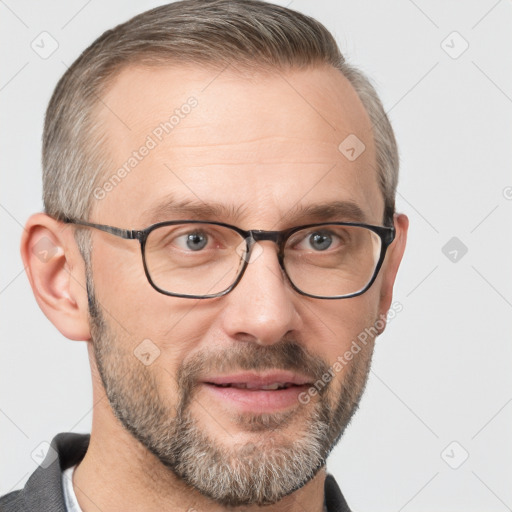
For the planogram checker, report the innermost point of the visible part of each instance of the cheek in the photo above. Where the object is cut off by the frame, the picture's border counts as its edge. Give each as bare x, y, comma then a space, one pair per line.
123, 289
156, 329
118, 273
331, 328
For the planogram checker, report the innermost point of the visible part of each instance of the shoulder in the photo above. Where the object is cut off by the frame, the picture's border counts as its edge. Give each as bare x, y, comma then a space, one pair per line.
12, 501
43, 490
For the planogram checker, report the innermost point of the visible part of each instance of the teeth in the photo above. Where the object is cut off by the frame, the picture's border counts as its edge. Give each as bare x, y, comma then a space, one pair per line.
270, 387
276, 385
273, 386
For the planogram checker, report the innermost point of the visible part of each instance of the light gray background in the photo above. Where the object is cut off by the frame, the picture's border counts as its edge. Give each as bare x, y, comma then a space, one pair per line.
442, 370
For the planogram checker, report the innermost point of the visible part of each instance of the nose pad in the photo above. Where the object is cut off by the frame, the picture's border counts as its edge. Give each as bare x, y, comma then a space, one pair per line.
249, 250
273, 265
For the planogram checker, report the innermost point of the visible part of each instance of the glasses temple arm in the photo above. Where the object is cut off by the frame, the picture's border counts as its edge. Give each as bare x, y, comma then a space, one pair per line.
128, 234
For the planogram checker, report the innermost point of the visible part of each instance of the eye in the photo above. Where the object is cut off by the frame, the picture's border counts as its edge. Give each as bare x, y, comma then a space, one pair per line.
319, 240
194, 241
188, 240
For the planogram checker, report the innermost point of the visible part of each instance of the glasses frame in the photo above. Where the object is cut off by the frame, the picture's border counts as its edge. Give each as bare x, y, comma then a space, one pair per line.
386, 234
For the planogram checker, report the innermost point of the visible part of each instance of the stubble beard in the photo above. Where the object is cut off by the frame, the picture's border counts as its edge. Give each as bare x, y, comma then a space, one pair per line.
259, 472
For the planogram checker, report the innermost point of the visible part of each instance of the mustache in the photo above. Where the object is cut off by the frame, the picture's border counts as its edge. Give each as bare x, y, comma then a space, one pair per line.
284, 355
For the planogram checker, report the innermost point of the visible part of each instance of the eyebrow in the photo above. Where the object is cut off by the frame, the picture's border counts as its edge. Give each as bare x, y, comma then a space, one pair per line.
172, 208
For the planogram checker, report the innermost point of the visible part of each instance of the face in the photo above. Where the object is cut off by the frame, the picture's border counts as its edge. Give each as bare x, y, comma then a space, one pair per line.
261, 147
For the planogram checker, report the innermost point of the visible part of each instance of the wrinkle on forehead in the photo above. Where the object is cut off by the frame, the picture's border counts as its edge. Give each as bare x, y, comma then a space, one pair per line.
259, 130
322, 102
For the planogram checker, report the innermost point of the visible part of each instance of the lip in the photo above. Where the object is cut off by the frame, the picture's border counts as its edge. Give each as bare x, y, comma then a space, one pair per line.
257, 400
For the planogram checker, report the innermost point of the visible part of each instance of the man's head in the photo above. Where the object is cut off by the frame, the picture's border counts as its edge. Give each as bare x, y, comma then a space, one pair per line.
242, 113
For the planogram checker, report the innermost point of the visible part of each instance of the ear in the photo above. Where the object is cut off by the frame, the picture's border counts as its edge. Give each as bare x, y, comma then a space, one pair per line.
56, 272
391, 264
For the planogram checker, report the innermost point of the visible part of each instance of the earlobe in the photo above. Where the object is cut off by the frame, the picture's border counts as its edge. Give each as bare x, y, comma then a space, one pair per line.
392, 263
56, 272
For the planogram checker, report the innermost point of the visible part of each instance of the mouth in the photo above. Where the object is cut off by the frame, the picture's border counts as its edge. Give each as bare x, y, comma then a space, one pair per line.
258, 392
255, 387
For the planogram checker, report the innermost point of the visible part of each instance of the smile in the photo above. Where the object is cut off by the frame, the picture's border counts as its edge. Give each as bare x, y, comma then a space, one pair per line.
267, 392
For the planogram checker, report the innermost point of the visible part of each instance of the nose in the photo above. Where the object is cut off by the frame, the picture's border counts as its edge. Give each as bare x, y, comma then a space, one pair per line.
262, 307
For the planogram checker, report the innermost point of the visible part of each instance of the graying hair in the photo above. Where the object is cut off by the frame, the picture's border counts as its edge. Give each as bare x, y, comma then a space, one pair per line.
206, 32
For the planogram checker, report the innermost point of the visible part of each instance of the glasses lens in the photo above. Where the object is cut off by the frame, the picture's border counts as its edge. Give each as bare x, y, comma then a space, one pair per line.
332, 260
194, 259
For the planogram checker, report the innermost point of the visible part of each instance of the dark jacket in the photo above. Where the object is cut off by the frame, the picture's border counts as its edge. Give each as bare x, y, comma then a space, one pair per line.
43, 490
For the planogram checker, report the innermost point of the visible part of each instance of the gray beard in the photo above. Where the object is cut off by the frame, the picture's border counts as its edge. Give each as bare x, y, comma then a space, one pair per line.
261, 472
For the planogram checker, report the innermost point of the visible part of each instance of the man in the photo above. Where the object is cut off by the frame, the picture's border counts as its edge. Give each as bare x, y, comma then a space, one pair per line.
219, 213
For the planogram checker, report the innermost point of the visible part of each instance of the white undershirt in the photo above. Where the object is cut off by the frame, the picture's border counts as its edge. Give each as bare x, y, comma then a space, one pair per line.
69, 493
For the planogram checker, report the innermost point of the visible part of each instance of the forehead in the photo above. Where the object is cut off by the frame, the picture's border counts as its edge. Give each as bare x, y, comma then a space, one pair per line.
259, 142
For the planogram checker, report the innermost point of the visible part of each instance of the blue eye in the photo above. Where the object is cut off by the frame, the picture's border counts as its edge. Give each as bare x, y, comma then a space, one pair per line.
196, 241
320, 241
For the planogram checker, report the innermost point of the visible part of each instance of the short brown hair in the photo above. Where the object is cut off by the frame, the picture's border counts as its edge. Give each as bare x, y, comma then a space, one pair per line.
212, 32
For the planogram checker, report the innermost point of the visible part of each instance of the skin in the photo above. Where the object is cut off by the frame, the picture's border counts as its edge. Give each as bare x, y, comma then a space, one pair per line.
263, 141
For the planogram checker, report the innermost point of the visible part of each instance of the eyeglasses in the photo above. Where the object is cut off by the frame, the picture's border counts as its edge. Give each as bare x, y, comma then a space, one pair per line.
200, 259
